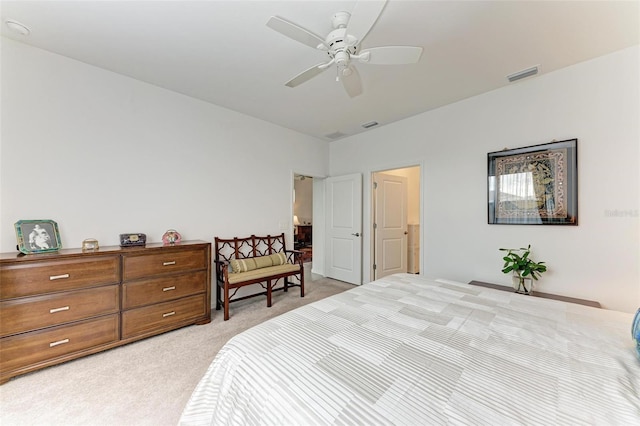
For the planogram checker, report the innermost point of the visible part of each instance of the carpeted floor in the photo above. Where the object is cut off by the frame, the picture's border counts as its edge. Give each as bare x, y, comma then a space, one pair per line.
146, 382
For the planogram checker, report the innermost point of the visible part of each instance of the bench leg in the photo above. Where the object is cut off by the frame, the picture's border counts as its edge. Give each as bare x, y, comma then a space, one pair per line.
286, 284
226, 302
302, 283
217, 296
268, 293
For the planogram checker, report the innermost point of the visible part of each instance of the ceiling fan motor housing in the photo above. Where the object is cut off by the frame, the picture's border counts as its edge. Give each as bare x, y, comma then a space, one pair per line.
336, 40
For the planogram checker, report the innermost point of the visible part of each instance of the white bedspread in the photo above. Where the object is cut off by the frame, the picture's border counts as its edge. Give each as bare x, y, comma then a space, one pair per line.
412, 351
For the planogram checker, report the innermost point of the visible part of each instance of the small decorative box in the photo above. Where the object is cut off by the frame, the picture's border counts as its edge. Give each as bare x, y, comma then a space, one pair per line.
132, 240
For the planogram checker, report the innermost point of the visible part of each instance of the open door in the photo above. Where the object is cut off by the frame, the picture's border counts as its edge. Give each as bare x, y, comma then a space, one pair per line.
344, 228
390, 224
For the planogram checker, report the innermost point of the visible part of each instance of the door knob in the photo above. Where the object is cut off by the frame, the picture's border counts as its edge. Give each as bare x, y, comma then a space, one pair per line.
357, 234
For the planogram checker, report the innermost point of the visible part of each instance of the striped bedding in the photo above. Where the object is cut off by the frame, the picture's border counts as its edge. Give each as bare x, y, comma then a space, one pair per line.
408, 350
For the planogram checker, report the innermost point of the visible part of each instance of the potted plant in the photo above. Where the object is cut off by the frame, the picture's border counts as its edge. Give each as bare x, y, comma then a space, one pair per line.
524, 269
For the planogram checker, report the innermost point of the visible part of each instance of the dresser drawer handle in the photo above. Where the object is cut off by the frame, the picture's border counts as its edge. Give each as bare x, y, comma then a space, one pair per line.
173, 262
58, 277
168, 314
54, 310
59, 342
173, 287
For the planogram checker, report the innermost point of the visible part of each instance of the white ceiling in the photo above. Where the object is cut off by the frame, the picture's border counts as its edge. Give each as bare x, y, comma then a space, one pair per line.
222, 52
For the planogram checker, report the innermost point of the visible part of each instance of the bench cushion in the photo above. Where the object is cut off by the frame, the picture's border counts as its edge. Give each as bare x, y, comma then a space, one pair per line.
252, 263
262, 273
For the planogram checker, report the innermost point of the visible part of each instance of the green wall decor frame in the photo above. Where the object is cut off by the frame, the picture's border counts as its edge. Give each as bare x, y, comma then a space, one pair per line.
37, 236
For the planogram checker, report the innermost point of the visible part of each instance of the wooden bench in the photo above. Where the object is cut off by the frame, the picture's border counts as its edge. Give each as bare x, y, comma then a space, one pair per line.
241, 262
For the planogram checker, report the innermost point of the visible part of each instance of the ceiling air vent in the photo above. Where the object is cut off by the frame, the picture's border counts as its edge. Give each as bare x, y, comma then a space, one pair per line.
335, 135
370, 124
523, 74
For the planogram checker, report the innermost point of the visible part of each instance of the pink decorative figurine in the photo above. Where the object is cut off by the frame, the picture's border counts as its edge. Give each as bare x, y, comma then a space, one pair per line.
171, 237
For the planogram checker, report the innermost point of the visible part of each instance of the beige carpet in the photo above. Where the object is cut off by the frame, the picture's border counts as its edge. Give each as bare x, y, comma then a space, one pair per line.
146, 382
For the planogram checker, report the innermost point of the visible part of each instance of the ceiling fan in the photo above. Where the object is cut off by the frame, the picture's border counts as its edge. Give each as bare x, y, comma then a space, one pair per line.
342, 45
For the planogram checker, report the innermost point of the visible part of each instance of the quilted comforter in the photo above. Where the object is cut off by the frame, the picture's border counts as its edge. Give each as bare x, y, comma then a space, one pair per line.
408, 350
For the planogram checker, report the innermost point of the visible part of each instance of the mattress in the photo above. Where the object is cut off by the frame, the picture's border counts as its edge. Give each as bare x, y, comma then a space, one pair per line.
409, 350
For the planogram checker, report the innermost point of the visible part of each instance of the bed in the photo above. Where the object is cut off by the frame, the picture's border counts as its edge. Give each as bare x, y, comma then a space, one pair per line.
409, 350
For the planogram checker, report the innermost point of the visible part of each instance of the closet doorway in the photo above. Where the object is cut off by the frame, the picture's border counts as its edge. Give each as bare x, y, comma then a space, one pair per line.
395, 221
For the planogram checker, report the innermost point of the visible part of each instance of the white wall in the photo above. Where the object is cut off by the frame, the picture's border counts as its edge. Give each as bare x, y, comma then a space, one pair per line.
597, 102
104, 154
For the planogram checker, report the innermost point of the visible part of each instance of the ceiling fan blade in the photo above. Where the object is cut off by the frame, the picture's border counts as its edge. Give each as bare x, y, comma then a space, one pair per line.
305, 75
363, 16
352, 83
391, 55
295, 32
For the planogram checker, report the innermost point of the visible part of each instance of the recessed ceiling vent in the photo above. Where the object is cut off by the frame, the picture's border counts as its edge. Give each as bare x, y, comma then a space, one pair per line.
523, 74
335, 135
370, 124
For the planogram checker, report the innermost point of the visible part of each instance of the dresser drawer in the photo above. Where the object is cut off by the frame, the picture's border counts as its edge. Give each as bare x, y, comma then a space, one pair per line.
165, 261
32, 313
161, 289
38, 346
162, 316
30, 278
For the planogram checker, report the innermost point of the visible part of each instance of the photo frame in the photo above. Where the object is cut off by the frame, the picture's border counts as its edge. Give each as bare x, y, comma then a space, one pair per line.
37, 236
534, 185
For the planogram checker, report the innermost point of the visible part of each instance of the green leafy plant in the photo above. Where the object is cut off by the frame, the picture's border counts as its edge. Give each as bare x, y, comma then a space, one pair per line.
518, 260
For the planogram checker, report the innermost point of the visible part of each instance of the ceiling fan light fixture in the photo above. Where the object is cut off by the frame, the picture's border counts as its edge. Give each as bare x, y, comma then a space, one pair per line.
523, 74
17, 27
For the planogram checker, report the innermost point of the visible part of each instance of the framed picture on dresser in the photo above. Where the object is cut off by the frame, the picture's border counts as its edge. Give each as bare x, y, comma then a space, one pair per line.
37, 236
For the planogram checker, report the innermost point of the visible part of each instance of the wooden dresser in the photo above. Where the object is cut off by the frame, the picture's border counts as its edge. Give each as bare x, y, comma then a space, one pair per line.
56, 307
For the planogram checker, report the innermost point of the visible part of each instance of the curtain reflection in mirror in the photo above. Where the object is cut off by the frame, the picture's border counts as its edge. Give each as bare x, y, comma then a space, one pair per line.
518, 191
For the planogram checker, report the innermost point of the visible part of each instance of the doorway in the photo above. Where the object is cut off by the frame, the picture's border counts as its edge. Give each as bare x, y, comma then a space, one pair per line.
303, 216
395, 218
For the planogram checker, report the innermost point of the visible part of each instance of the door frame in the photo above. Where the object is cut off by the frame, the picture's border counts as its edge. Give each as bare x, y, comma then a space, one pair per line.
317, 264
367, 216
369, 221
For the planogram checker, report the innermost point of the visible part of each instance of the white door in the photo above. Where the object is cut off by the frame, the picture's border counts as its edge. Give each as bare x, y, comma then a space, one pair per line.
344, 228
390, 224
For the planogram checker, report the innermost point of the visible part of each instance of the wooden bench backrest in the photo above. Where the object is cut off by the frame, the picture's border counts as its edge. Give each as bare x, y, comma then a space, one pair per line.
242, 248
